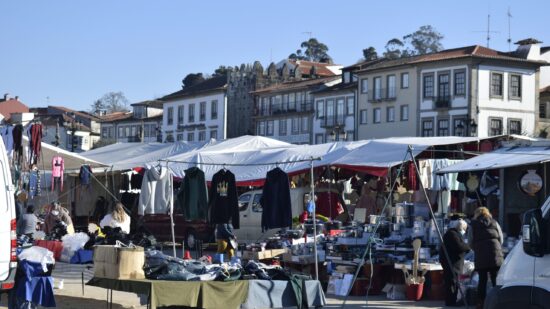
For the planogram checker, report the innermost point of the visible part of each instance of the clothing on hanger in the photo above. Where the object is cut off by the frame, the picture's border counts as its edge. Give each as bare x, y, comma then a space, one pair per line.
58, 168
275, 201
35, 142
34, 183
156, 194
18, 143
7, 137
85, 175
223, 204
192, 196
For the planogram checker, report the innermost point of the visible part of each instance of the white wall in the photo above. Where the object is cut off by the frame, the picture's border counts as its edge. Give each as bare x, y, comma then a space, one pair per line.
457, 101
219, 124
505, 107
544, 79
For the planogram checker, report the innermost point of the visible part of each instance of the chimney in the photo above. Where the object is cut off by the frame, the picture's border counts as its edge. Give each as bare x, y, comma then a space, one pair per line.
16, 98
6, 96
529, 49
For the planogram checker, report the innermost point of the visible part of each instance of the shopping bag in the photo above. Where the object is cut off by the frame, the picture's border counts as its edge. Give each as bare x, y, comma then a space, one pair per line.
118, 262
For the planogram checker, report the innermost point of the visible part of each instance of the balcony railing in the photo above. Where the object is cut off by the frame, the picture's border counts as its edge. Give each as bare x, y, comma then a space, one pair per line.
382, 94
284, 108
333, 121
443, 102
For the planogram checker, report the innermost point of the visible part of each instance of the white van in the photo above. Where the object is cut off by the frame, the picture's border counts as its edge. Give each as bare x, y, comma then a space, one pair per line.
8, 236
251, 212
524, 278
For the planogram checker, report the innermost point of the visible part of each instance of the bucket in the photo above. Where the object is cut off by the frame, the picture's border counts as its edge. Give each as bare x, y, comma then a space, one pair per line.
414, 291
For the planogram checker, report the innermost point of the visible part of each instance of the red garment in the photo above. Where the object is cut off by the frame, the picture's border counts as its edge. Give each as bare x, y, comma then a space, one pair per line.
328, 204
412, 180
35, 143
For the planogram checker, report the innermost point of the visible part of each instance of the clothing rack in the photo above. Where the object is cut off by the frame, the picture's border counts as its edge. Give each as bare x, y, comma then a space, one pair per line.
244, 164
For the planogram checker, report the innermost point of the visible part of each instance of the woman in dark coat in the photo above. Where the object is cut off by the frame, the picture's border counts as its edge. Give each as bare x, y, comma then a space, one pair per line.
456, 249
487, 244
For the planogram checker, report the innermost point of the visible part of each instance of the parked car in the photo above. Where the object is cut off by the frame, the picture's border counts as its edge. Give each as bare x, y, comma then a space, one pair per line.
185, 230
8, 223
251, 210
524, 278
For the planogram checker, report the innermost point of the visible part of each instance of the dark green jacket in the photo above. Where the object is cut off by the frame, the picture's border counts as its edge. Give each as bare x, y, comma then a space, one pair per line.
193, 195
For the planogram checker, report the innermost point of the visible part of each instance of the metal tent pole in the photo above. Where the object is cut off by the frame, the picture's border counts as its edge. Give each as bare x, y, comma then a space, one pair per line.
172, 213
312, 199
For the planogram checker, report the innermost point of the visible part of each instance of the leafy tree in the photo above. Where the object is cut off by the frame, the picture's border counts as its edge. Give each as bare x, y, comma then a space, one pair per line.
425, 40
192, 79
111, 102
312, 50
394, 49
370, 53
221, 70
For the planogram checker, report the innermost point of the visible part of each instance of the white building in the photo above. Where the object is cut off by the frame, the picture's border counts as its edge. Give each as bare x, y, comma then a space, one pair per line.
196, 113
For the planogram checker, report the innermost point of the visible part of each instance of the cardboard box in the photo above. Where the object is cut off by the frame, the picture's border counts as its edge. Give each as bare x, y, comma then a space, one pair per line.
263, 255
119, 263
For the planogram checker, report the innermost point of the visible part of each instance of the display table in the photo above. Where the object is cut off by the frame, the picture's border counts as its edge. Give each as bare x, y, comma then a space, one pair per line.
421, 266
218, 294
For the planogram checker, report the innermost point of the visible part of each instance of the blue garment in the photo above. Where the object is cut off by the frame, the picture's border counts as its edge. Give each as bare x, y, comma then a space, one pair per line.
34, 285
85, 174
83, 257
34, 183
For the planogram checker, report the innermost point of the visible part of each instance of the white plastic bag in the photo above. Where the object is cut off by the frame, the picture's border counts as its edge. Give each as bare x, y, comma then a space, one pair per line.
38, 255
75, 242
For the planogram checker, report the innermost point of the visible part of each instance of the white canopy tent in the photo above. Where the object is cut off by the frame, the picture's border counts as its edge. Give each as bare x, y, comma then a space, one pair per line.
502, 158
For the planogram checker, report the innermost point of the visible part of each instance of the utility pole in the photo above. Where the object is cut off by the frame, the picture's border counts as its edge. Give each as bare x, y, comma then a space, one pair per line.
509, 31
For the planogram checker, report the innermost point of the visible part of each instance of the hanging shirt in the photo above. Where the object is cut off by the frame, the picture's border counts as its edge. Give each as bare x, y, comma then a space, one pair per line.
85, 174
35, 143
156, 192
224, 205
34, 183
58, 168
193, 195
7, 137
275, 201
18, 143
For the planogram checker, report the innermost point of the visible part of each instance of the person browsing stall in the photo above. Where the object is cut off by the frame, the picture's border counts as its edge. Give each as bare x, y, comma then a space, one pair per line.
56, 214
456, 249
224, 235
117, 218
27, 223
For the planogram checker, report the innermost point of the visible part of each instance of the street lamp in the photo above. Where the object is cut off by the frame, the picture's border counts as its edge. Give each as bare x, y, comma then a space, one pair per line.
338, 132
74, 126
460, 128
473, 127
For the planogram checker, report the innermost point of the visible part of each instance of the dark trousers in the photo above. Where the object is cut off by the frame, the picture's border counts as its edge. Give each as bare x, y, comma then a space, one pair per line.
451, 286
483, 277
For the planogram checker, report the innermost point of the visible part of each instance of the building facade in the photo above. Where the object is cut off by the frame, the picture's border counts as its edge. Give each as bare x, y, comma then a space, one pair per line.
286, 111
196, 113
143, 124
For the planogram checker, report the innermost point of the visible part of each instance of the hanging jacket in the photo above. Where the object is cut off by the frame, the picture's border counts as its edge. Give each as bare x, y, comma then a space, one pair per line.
487, 243
35, 142
18, 143
58, 168
156, 194
7, 137
193, 195
85, 174
224, 205
275, 201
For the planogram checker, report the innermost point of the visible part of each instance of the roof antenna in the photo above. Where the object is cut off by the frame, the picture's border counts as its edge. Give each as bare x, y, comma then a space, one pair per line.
509, 31
309, 33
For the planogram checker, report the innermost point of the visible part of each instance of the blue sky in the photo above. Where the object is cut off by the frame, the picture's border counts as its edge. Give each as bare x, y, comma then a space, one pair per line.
75, 51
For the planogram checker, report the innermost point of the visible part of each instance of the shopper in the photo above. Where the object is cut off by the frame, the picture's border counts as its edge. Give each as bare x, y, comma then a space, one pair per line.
117, 218
58, 214
367, 201
486, 240
27, 223
224, 235
456, 249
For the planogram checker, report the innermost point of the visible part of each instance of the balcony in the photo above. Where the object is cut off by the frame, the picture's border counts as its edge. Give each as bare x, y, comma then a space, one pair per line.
305, 106
134, 139
443, 102
382, 94
333, 121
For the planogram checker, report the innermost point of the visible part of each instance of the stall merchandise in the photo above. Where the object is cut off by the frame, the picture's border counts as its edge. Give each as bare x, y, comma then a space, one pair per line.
275, 201
58, 168
34, 132
223, 204
156, 191
192, 196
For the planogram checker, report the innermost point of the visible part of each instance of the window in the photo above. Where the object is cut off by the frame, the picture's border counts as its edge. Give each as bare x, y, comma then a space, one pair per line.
364, 85
261, 128
340, 107
269, 128
496, 84
319, 139
349, 136
190, 136
181, 109
202, 111
305, 124
391, 86
495, 126
104, 132
191, 114
404, 80
214, 109
443, 90
243, 201
295, 125
543, 109
120, 132
376, 114
282, 127
404, 113
443, 127
377, 88
320, 109
460, 83
459, 127
428, 90
390, 114
256, 205
214, 134
202, 136
330, 111
179, 137
264, 109
292, 98
350, 103
515, 86
427, 128
170, 116
133, 131
514, 126
363, 116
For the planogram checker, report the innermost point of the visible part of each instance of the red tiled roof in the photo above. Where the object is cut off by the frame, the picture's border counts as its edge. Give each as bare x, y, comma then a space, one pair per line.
80, 114
116, 116
10, 106
545, 90
305, 67
297, 84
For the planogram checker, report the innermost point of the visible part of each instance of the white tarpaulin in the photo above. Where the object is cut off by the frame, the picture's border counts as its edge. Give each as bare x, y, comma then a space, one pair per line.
501, 158
72, 161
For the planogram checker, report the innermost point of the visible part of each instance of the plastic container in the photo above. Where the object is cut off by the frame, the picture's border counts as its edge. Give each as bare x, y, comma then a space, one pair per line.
414, 291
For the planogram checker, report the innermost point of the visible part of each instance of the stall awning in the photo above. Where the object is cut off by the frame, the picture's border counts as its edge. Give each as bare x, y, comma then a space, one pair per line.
501, 158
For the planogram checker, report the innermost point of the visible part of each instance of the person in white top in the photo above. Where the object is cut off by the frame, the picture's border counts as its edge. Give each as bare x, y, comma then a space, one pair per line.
117, 218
